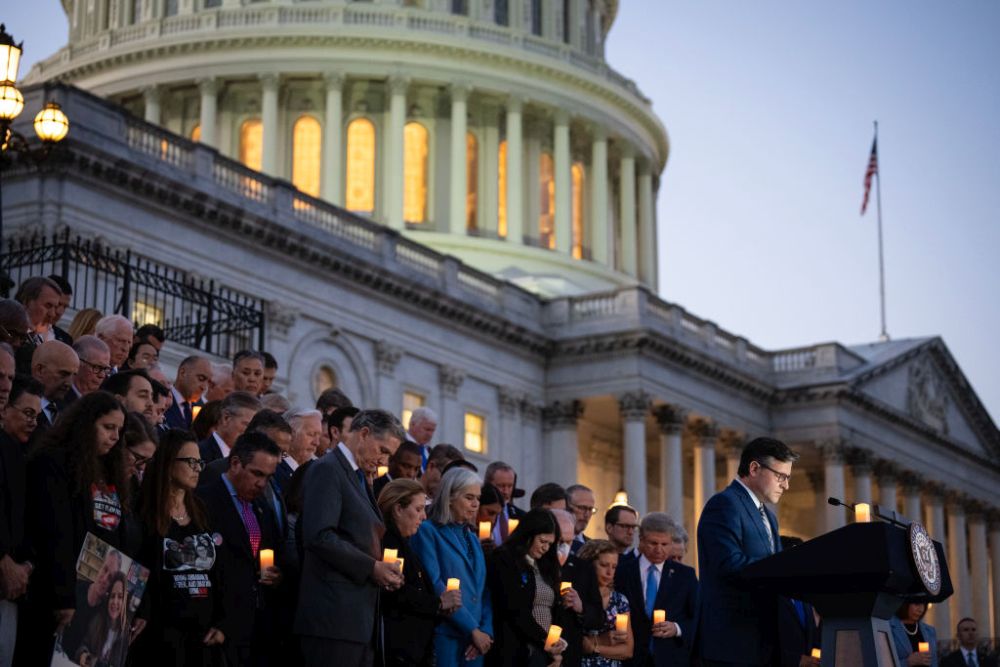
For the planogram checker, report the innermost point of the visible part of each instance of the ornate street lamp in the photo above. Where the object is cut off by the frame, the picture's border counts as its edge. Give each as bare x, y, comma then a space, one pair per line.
51, 124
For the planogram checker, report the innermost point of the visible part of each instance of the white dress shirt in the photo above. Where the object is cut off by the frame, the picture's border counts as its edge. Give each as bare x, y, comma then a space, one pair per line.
223, 447
644, 576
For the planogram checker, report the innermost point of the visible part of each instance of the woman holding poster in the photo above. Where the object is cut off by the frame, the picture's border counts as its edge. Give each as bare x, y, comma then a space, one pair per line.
185, 624
76, 485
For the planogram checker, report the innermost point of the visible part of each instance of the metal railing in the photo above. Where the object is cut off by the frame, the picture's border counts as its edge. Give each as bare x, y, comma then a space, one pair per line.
192, 311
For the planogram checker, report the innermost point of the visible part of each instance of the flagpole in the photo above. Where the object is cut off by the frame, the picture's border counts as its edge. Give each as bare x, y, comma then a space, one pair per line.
884, 336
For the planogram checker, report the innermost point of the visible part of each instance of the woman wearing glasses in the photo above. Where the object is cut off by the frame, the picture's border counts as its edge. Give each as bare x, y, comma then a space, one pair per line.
140, 446
76, 484
183, 595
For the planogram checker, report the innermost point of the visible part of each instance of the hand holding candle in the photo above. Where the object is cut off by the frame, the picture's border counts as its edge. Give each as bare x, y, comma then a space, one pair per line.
816, 654
266, 559
863, 513
390, 555
382, 471
453, 585
923, 647
555, 632
659, 616
621, 622
399, 561
512, 525
565, 586
484, 530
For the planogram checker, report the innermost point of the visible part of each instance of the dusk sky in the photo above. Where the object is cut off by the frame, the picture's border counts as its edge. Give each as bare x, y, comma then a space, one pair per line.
769, 107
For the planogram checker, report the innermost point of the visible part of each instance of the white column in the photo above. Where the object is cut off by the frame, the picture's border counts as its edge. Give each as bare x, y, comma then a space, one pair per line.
995, 554
634, 407
489, 198
209, 89
980, 578
515, 165
958, 554
627, 204
887, 488
562, 449
647, 229
704, 464
269, 121
671, 420
861, 466
939, 615
911, 497
394, 154
599, 197
151, 100
564, 184
732, 446
459, 177
333, 148
833, 482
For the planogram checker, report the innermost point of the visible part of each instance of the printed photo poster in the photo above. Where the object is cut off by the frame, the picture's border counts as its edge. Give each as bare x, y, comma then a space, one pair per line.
109, 588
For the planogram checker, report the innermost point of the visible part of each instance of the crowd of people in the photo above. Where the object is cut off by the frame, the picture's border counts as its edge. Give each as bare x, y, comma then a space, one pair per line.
277, 534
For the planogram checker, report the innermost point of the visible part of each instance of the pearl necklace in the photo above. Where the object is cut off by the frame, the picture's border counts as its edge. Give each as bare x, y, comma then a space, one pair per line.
916, 627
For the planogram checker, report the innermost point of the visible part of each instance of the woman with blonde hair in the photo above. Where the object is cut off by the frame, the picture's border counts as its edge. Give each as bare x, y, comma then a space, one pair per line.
84, 323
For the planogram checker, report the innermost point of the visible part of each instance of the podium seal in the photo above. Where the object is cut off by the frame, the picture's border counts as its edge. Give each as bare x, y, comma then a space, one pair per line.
925, 558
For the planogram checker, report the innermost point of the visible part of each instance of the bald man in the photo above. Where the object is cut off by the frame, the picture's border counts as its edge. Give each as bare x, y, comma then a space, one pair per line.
580, 610
55, 365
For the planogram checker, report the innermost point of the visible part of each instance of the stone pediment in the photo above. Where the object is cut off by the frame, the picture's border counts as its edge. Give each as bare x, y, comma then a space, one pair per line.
923, 383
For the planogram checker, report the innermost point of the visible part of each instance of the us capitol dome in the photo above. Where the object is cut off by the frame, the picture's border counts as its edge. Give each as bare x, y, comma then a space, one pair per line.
492, 130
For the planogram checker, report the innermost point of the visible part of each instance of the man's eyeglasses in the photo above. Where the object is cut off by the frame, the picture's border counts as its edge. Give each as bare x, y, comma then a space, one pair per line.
780, 476
196, 464
19, 336
29, 414
99, 370
138, 459
584, 509
626, 526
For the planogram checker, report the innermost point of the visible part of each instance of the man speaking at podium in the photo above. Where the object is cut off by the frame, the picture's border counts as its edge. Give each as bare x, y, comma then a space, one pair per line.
739, 624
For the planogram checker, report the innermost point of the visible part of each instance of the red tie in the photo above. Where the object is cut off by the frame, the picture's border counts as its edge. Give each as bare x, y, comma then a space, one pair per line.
253, 528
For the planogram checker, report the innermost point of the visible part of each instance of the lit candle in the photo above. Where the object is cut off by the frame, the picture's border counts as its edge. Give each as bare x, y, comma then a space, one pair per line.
453, 585
382, 471
266, 559
863, 513
554, 633
565, 586
816, 653
659, 616
512, 525
195, 409
923, 647
621, 622
400, 561
389, 555
484, 530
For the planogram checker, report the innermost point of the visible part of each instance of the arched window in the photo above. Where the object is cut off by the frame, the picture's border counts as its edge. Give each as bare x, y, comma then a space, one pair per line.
252, 143
323, 378
361, 166
307, 149
547, 202
415, 150
471, 180
502, 187
196, 133
578, 183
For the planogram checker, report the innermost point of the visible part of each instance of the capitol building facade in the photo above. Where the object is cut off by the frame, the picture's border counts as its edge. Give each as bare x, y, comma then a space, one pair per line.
451, 203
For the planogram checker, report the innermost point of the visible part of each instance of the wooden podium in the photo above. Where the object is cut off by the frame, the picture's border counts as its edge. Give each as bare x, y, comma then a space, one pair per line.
857, 577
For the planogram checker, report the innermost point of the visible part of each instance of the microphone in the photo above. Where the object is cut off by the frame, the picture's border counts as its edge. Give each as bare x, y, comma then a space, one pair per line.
836, 501
891, 518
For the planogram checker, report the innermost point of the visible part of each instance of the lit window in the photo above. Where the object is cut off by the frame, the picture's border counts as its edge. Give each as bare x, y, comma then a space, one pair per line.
147, 313
196, 133
252, 143
502, 187
415, 173
578, 184
547, 208
411, 401
471, 180
475, 433
361, 166
324, 378
307, 147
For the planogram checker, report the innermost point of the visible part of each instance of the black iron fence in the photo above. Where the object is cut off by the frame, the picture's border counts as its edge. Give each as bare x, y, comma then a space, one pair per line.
192, 312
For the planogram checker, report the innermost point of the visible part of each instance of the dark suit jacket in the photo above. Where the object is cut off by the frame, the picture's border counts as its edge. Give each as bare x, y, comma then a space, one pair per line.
955, 659
379, 484
242, 594
341, 535
518, 637
677, 595
410, 613
174, 418
581, 574
731, 535
209, 449
61, 335
13, 489
795, 639
68, 399
576, 544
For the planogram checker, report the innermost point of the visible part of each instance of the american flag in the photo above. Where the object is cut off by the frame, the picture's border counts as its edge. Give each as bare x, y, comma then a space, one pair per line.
869, 172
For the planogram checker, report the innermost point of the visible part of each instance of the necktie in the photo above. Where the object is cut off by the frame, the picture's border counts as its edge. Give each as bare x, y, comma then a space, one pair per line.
800, 610
970, 659
504, 526
362, 481
651, 588
423, 458
253, 528
53, 412
767, 527
186, 412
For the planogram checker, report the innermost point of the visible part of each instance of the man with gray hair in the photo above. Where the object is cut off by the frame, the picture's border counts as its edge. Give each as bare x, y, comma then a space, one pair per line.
221, 384
423, 423
95, 364
307, 427
654, 582
116, 331
7, 373
235, 413
581, 502
343, 568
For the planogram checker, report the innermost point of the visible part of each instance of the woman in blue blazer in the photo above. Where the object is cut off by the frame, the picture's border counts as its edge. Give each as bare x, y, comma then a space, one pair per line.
908, 630
449, 550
